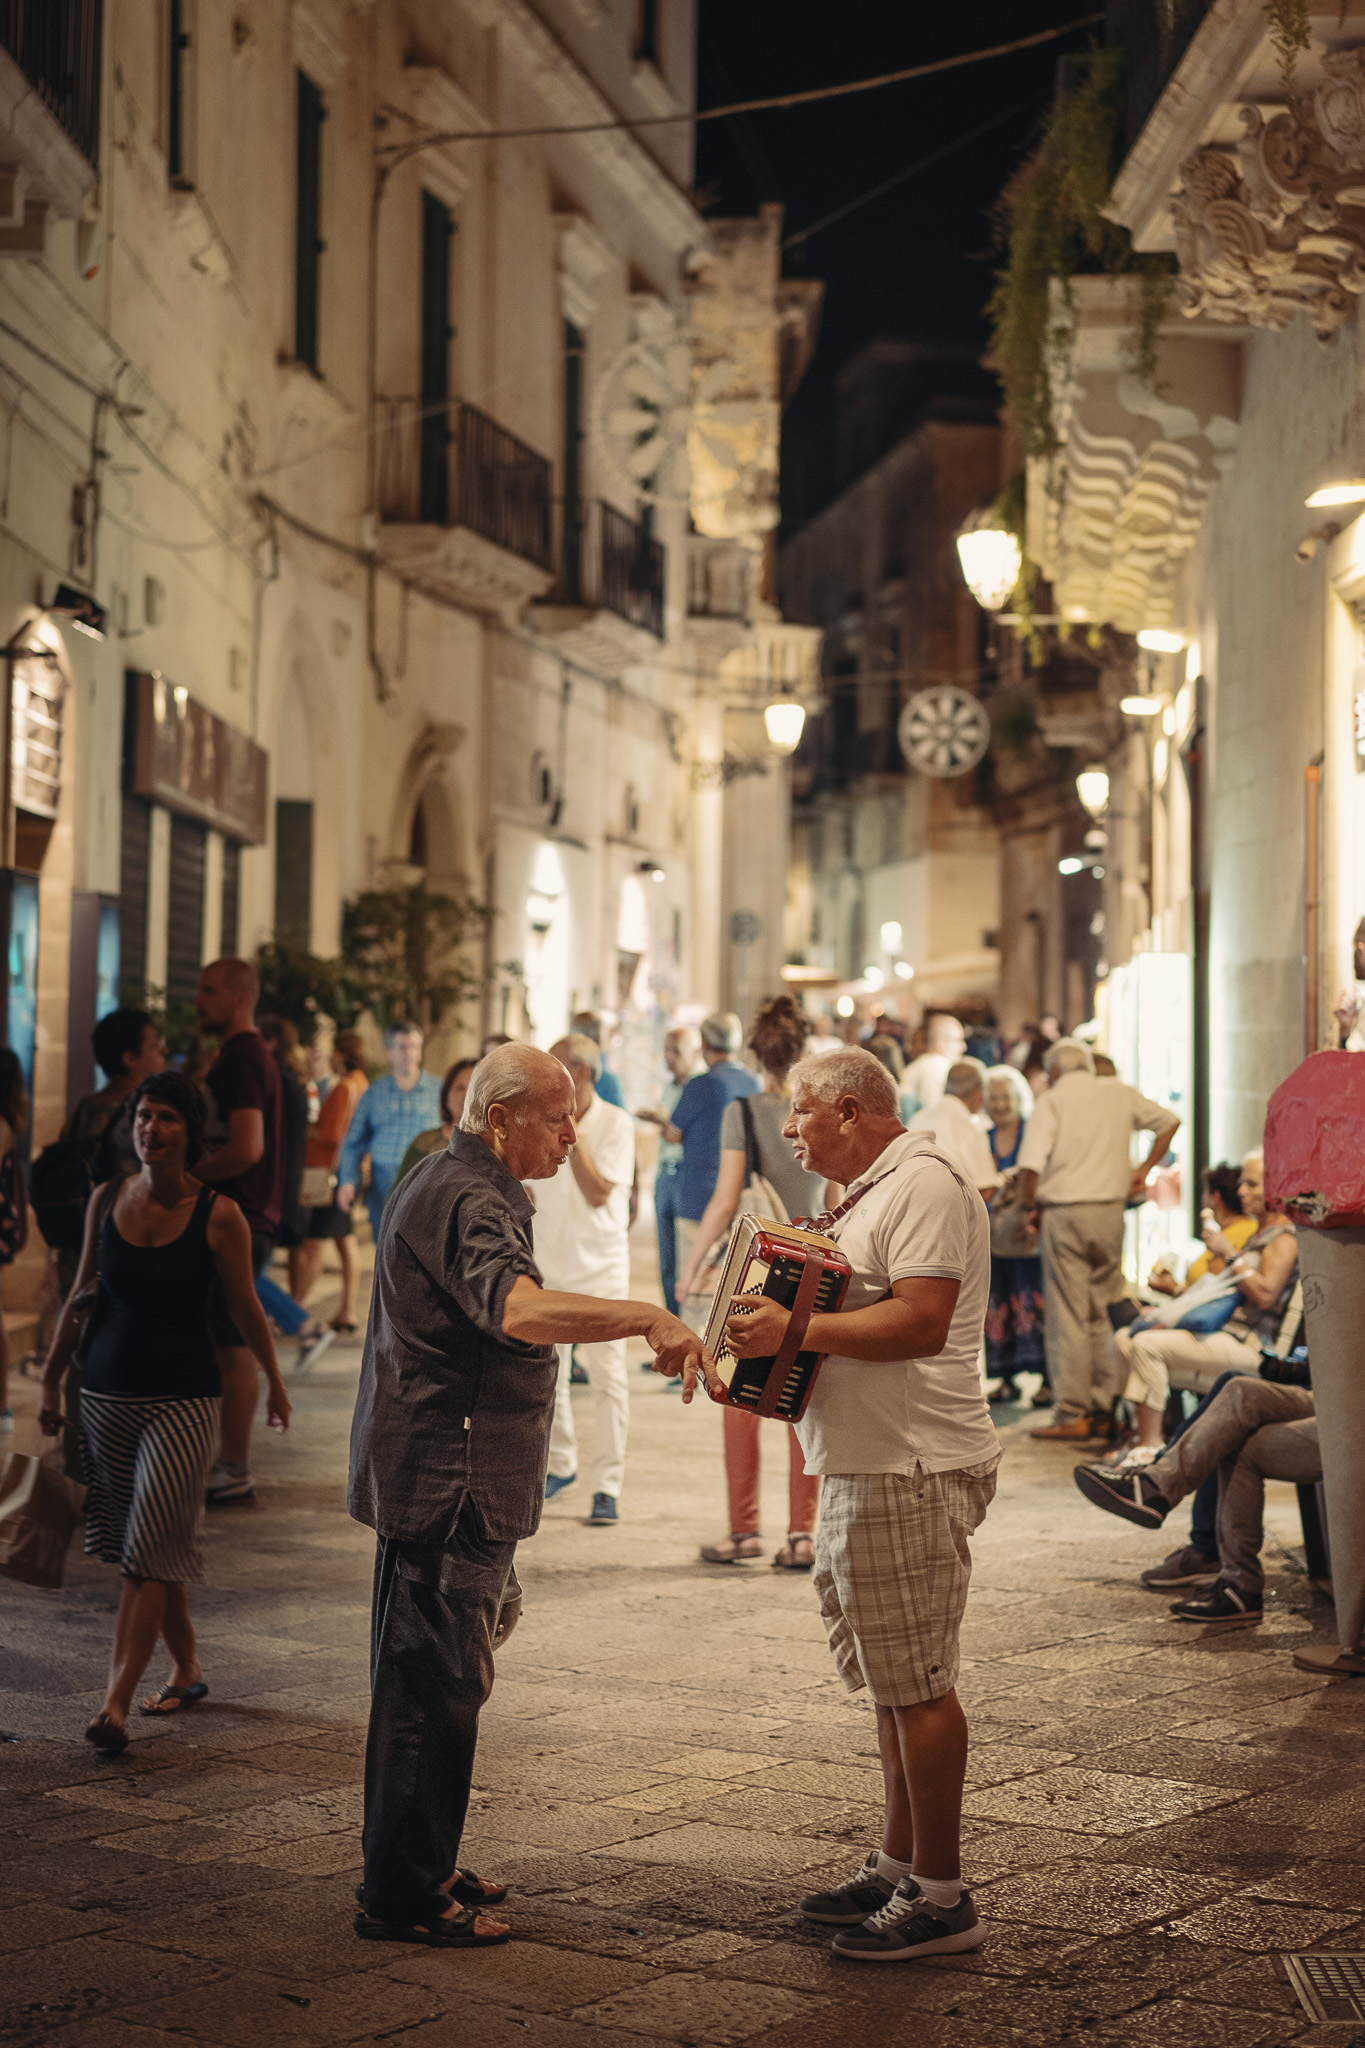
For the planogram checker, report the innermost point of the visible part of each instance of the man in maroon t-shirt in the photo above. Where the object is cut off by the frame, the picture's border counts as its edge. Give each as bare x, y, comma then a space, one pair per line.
244, 1083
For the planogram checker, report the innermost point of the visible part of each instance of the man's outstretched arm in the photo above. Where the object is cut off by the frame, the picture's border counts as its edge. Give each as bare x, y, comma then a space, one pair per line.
541, 1315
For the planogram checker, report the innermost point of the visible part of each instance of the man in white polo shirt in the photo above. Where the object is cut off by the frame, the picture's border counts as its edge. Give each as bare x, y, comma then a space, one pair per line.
898, 1425
953, 1126
1076, 1158
580, 1233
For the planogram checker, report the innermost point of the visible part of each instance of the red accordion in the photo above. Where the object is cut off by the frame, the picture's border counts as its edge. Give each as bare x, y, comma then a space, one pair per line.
802, 1271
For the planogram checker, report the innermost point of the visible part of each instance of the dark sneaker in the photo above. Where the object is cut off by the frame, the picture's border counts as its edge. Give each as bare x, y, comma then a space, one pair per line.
556, 1483
908, 1926
1130, 1494
603, 1514
850, 1904
312, 1346
1186, 1567
1224, 1606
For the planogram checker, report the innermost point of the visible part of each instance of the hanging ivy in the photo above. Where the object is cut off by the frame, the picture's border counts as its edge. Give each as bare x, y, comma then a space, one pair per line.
1052, 226
1290, 37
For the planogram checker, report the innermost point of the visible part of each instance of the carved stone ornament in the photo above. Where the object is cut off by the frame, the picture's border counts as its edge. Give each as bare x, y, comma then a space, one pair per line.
1278, 226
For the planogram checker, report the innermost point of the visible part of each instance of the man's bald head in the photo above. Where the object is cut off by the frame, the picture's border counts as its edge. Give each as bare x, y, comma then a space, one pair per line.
512, 1075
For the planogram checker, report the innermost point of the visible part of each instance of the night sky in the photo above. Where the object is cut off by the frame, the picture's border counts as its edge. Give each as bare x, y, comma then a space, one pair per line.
918, 261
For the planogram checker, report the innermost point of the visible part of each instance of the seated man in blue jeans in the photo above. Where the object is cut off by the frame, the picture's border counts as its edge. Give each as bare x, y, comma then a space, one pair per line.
1253, 1430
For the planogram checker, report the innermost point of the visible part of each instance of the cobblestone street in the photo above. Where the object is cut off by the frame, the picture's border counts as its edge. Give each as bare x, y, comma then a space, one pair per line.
668, 1763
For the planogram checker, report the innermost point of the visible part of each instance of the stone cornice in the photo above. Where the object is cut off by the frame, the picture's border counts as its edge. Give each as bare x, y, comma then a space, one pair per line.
1206, 78
570, 96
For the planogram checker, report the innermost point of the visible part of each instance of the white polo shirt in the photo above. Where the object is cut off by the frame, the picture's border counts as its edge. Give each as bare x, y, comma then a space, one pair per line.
578, 1248
1079, 1138
924, 1220
960, 1138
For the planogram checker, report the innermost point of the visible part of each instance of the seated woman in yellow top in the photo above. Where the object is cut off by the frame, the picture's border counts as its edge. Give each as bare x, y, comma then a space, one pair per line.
1223, 1218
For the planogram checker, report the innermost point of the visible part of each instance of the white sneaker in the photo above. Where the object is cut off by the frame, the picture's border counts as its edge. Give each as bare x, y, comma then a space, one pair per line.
229, 1486
313, 1345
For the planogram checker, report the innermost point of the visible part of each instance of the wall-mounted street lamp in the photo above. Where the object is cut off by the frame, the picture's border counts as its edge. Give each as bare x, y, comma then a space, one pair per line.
1140, 707
1092, 787
991, 559
1348, 490
1160, 640
785, 722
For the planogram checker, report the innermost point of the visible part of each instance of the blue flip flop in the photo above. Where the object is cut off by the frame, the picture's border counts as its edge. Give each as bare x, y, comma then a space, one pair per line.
185, 1696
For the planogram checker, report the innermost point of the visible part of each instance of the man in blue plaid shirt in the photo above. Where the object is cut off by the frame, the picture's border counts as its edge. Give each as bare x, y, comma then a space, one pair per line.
390, 1114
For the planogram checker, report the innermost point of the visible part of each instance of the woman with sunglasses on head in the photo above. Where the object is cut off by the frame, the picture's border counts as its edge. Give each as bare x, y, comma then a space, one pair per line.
150, 1398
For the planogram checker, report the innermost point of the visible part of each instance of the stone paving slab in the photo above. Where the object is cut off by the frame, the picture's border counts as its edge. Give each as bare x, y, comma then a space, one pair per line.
668, 1762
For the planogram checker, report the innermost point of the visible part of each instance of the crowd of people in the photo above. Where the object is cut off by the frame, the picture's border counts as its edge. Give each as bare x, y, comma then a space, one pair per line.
978, 1191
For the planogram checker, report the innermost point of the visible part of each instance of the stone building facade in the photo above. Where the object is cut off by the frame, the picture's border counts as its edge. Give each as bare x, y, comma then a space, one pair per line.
324, 396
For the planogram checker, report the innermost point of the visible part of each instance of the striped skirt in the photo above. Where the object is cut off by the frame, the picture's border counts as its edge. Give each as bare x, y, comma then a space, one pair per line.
146, 1462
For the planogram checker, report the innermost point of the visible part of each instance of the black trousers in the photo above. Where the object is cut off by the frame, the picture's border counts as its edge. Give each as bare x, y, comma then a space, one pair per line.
431, 1669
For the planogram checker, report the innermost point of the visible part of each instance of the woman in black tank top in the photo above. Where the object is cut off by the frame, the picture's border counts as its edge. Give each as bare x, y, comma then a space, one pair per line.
148, 1428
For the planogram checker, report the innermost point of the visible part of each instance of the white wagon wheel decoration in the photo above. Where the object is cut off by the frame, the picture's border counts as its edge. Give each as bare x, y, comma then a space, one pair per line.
658, 407
943, 731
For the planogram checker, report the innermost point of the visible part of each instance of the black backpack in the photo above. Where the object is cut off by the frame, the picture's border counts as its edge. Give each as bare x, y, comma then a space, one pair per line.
60, 1185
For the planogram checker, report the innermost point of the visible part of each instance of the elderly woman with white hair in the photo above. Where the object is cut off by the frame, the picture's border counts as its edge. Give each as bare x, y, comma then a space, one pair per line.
1015, 1315
1076, 1174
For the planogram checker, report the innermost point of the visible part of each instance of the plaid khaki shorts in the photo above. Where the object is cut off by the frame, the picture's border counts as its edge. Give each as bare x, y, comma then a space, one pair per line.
891, 1571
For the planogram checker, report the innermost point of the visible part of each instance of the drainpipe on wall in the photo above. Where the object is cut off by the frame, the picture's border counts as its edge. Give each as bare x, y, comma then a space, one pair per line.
1312, 902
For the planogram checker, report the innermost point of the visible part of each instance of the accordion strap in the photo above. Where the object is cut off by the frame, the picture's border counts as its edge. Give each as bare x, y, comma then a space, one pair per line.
802, 1309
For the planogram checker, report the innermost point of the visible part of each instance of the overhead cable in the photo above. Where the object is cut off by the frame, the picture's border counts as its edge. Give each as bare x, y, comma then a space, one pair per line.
619, 123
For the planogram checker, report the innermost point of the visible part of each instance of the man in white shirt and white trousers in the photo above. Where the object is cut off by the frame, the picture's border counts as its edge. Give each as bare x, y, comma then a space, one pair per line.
953, 1124
580, 1232
1076, 1164
898, 1424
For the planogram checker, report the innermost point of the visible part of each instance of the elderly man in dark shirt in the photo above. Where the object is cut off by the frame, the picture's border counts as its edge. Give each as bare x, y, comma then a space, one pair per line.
448, 1458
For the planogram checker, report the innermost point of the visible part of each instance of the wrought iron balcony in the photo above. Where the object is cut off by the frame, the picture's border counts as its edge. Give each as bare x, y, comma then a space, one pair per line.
1153, 35
56, 44
612, 563
452, 466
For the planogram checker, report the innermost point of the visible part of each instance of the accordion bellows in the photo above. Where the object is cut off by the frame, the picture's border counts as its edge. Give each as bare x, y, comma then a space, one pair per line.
801, 1270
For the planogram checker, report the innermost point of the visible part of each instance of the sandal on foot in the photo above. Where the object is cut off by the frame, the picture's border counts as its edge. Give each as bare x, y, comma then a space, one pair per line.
110, 1738
734, 1550
467, 1888
183, 1695
796, 1555
460, 1931
343, 1325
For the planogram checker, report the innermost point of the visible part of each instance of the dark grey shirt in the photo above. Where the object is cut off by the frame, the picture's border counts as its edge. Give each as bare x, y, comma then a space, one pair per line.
449, 1408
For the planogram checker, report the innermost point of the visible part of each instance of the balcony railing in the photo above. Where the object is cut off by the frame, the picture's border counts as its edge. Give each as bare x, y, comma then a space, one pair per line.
56, 44
610, 562
1153, 35
453, 466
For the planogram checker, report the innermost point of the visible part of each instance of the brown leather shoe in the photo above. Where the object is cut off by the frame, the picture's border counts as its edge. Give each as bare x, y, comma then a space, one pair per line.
1329, 1660
1077, 1432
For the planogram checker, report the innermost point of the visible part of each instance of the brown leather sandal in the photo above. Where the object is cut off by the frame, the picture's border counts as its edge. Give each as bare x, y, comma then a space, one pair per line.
736, 1549
796, 1555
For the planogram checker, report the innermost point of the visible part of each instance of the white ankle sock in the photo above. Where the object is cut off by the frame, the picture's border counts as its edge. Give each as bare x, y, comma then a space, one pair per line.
888, 1868
940, 1891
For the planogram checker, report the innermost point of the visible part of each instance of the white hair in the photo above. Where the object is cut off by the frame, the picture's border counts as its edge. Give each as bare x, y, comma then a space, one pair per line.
1068, 1056
828, 1075
1020, 1092
508, 1074
578, 1050
965, 1076
722, 1031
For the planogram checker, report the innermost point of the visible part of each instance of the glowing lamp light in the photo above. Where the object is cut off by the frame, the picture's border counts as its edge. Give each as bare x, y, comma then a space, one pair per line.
991, 561
1348, 490
904, 971
1194, 663
1161, 756
873, 976
1168, 720
892, 937
1160, 640
1140, 707
1070, 866
785, 721
845, 1006
1092, 787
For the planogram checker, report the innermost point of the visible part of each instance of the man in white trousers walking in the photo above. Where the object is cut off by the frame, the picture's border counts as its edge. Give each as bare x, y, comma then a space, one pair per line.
581, 1223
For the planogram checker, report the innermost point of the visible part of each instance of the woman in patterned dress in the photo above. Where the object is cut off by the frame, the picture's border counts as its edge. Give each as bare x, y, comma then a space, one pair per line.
150, 1390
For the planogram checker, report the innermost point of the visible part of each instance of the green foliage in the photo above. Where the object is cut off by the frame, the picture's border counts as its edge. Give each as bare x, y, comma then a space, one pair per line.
401, 953
177, 1021
1052, 226
298, 985
1290, 37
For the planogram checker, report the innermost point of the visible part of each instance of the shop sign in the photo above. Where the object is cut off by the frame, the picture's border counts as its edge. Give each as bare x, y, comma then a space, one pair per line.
183, 756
